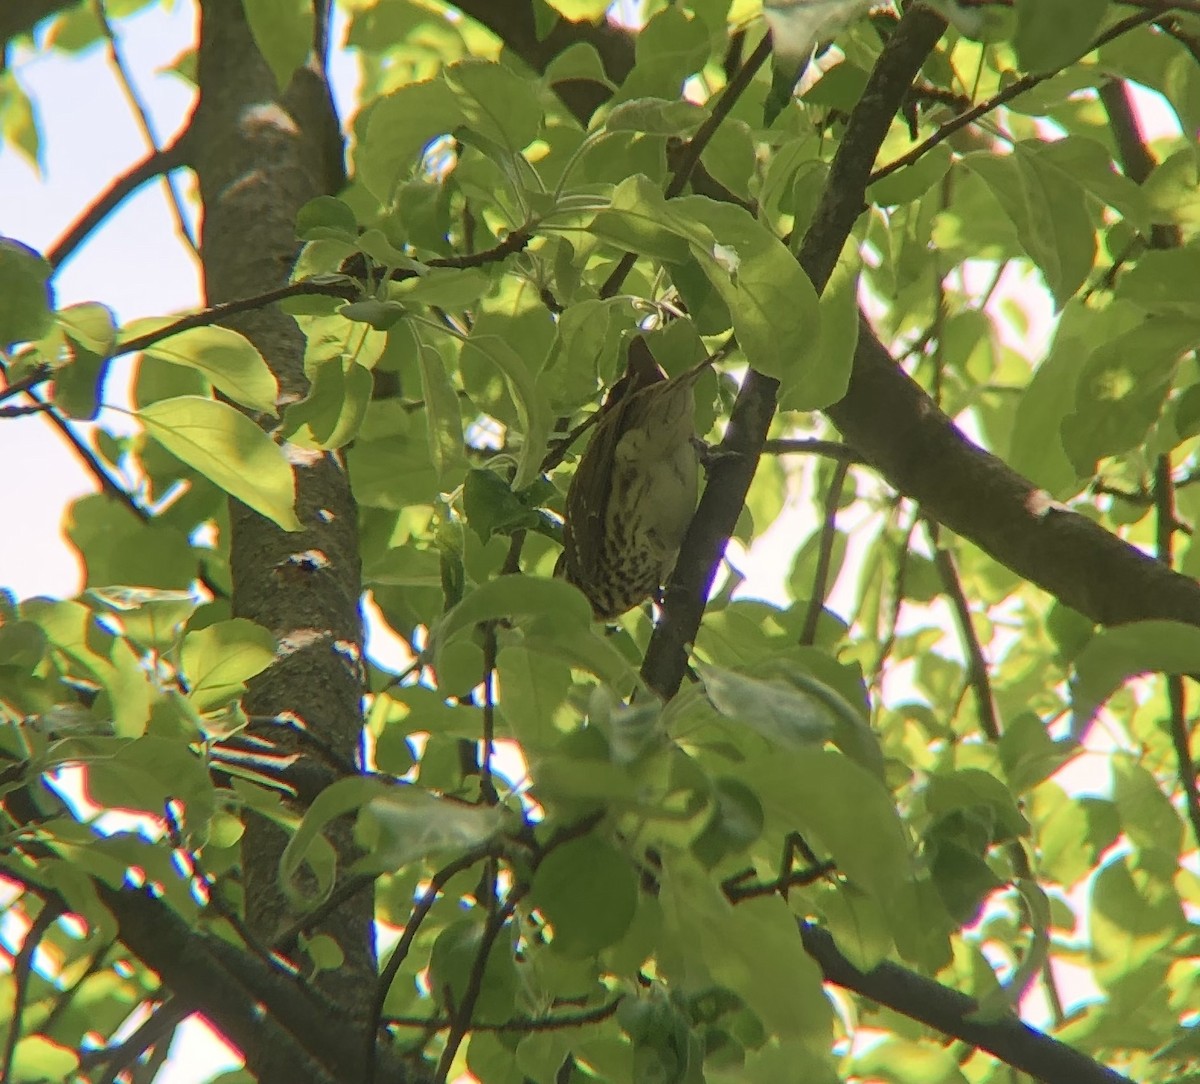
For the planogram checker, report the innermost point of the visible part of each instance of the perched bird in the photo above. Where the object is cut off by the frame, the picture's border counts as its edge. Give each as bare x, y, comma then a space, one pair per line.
635, 488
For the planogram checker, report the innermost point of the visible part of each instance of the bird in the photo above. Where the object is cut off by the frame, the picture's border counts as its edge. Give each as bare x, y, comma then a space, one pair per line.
635, 488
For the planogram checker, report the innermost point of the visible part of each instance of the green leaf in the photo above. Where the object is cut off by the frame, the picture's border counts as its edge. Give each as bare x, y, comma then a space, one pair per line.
37, 1058
1114, 655
146, 773
452, 288
91, 330
587, 890
514, 597
822, 376
326, 217
1161, 282
907, 1062
774, 307
220, 659
227, 360
577, 11
584, 648
858, 923
1036, 447
380, 315
1052, 33
1047, 207
496, 102
532, 408
584, 354
26, 298
1146, 813
736, 822
1028, 753
838, 805
753, 949
492, 507
443, 415
22, 644
402, 824
332, 412
671, 46
533, 686
730, 157
776, 710
1090, 163
913, 181
399, 126
1122, 388
1171, 189
1134, 914
283, 32
969, 788
454, 959
129, 691
636, 219
18, 123
308, 845
656, 116
228, 449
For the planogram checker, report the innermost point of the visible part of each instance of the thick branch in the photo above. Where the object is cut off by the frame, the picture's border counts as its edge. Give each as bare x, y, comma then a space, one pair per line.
952, 1013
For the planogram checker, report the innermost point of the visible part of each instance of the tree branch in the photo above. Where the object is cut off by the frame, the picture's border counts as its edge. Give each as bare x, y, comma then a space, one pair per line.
171, 157
734, 468
820, 587
22, 968
125, 78
952, 1013
977, 666
1013, 90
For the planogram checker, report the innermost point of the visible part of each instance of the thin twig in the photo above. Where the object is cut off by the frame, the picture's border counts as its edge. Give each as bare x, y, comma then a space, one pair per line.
91, 461
487, 785
418, 915
155, 1030
899, 592
695, 148
462, 1016
834, 449
30, 380
736, 888
24, 411
22, 969
125, 78
977, 665
1013, 90
171, 157
558, 1022
1166, 522
820, 587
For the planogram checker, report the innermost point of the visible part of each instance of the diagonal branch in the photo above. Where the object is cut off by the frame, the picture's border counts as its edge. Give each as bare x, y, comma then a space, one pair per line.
141, 111
22, 970
733, 470
1008, 1038
977, 665
171, 157
1013, 90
